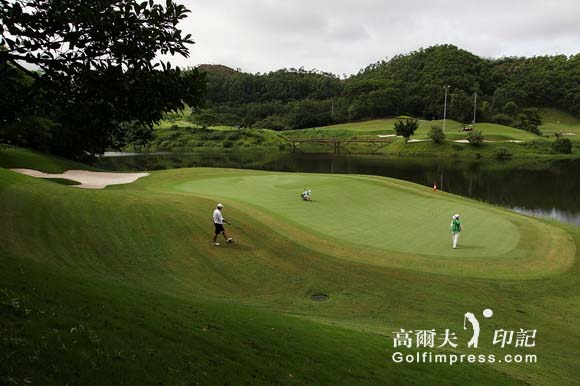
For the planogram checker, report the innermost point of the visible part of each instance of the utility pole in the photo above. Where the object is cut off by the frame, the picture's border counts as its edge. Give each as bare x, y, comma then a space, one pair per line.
446, 87
474, 106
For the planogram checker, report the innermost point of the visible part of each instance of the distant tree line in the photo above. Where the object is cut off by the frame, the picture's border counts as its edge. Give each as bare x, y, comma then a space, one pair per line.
508, 91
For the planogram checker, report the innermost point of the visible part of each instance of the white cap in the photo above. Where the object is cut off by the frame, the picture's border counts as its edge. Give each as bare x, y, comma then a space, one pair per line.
220, 206
455, 216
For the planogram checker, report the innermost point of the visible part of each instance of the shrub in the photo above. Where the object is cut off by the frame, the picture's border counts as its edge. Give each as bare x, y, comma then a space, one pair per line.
475, 137
272, 122
437, 134
503, 153
227, 143
562, 145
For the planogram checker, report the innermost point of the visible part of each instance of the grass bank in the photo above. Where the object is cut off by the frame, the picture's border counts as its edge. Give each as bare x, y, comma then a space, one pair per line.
191, 138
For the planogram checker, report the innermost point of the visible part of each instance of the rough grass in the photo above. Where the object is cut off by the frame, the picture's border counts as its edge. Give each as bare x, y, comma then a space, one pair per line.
14, 157
121, 286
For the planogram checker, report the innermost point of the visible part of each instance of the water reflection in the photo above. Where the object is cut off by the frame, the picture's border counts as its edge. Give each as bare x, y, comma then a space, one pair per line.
553, 214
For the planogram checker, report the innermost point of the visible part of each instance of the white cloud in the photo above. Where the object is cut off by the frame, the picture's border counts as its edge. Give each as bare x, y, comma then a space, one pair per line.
342, 37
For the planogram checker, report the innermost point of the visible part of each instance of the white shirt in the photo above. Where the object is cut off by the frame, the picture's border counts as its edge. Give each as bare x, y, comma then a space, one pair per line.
217, 217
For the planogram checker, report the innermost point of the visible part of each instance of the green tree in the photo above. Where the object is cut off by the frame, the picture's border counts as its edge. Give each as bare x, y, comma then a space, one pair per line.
309, 113
272, 122
511, 108
460, 106
406, 127
502, 119
529, 120
436, 134
204, 119
97, 67
374, 104
562, 145
475, 137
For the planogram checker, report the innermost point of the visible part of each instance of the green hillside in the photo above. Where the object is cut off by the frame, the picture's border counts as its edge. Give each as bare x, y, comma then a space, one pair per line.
386, 126
555, 121
180, 134
124, 283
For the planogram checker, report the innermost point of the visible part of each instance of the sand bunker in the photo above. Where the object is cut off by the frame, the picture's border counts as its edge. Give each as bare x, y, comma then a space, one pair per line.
509, 140
88, 179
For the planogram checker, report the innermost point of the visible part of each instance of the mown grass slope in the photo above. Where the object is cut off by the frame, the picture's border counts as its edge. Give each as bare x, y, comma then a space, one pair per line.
555, 121
376, 127
122, 285
15, 157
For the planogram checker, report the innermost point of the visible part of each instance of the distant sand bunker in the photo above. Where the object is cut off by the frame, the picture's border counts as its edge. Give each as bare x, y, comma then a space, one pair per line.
87, 179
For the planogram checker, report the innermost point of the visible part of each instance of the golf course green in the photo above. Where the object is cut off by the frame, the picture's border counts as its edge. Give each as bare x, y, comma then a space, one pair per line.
389, 217
123, 286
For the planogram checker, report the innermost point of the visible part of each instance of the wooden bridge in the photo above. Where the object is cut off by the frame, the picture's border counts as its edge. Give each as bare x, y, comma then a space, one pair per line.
339, 145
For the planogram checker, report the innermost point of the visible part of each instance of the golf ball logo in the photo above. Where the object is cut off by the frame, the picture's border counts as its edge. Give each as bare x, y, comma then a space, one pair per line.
470, 317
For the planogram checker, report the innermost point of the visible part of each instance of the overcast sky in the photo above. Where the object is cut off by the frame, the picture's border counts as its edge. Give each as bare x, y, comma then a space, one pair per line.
344, 36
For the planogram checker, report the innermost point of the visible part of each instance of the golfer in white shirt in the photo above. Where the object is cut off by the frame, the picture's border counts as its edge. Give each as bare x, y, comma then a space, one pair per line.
218, 222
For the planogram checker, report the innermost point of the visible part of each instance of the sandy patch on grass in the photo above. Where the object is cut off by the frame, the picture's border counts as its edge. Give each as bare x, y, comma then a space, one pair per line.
509, 140
88, 179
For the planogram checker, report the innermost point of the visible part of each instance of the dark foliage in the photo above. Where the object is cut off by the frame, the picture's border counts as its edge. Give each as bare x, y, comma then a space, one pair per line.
97, 80
562, 145
475, 137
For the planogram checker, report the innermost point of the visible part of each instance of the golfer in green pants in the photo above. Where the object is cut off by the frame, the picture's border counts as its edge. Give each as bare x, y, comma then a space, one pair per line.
455, 229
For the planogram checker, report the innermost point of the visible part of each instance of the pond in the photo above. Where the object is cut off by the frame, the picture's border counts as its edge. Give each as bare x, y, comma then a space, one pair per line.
544, 188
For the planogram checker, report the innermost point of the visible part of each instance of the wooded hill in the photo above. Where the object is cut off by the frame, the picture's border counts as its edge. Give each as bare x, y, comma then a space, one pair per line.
508, 90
